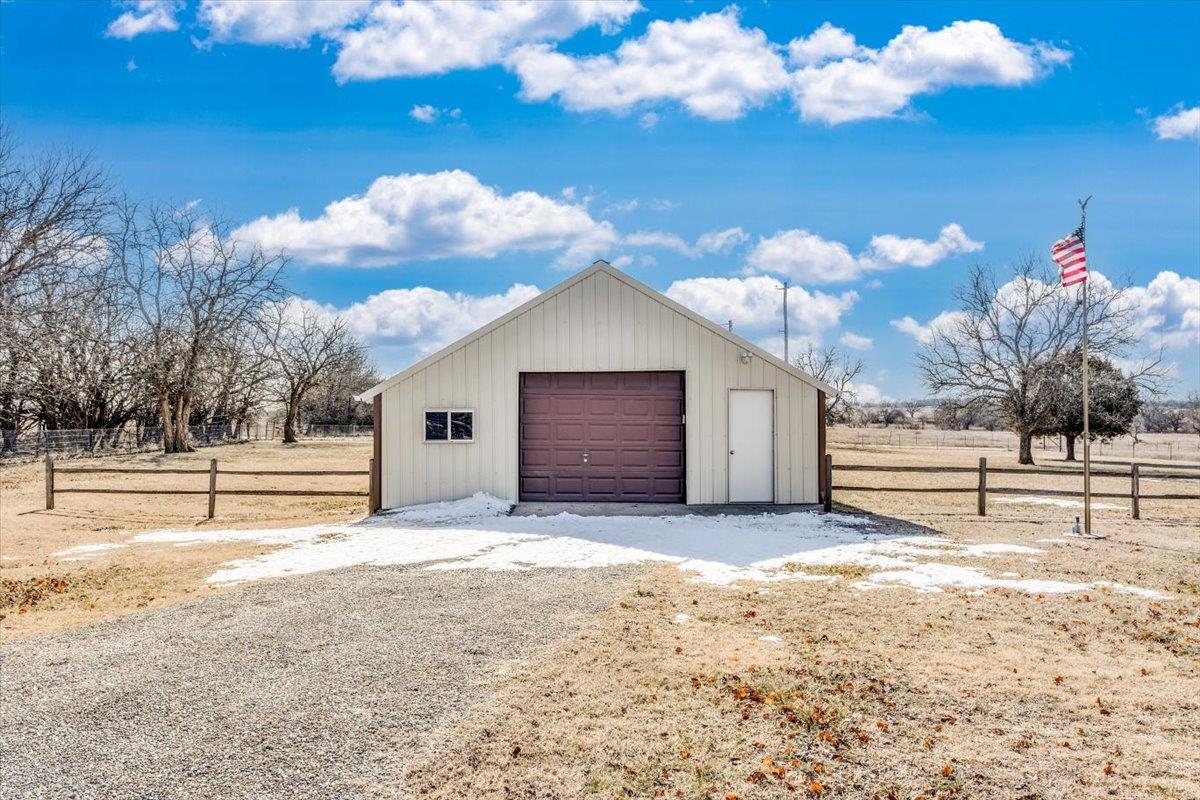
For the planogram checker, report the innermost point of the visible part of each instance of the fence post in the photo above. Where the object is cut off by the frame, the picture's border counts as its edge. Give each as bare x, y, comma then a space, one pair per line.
212, 488
982, 486
1135, 491
828, 466
49, 482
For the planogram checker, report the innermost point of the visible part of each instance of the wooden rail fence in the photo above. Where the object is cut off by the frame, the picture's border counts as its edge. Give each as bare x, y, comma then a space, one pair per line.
212, 491
981, 488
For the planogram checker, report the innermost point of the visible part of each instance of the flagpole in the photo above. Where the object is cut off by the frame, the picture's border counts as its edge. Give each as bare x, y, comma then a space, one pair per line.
1087, 447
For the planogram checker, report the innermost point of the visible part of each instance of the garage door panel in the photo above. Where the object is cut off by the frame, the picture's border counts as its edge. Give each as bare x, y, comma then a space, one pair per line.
629, 423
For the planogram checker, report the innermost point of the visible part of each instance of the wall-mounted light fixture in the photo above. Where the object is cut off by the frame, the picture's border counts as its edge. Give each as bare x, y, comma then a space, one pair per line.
744, 356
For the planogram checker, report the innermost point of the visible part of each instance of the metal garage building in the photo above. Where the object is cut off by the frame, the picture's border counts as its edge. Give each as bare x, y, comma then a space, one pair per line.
599, 389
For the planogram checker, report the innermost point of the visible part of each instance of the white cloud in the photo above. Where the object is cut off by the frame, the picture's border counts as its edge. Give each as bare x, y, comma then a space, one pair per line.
856, 342
721, 241
145, 16
430, 114
894, 250
649, 120
710, 64
424, 319
621, 206
804, 256
1168, 308
872, 84
420, 216
1166, 311
1182, 123
659, 239
291, 23
755, 304
417, 38
131, 66
825, 43
807, 257
865, 392
942, 323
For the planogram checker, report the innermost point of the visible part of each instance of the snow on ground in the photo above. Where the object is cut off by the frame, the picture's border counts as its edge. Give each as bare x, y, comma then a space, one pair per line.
478, 533
87, 550
1030, 500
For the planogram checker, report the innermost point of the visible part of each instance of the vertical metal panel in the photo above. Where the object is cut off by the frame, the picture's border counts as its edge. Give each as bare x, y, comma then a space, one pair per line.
597, 324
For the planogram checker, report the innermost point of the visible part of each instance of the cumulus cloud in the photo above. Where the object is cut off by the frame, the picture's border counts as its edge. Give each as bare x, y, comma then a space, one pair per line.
952, 240
856, 342
418, 216
1166, 311
1182, 123
145, 16
709, 64
426, 319
841, 82
754, 304
408, 38
1169, 310
824, 44
807, 257
290, 23
923, 334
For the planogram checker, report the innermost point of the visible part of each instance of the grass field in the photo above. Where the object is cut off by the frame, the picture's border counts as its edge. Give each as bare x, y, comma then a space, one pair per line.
44, 592
852, 693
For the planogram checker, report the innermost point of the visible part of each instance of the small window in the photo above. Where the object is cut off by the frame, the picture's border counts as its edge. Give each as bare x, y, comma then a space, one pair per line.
449, 426
462, 426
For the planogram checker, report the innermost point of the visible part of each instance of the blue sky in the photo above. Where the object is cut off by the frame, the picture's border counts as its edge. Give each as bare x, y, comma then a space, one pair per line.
629, 132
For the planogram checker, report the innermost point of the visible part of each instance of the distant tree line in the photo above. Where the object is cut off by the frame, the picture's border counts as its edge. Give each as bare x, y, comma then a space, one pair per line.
115, 312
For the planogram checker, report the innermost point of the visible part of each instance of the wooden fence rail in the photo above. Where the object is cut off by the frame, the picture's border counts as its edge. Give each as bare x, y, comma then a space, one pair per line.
212, 491
981, 488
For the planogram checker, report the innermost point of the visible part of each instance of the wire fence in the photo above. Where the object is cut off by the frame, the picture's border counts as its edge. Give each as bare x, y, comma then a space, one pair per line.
96, 442
1157, 446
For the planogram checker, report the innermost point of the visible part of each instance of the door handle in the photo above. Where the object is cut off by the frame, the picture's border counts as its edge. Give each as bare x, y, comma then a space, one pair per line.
585, 458
730, 452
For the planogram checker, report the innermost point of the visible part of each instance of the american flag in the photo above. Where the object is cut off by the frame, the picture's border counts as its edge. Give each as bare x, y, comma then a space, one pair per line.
1068, 253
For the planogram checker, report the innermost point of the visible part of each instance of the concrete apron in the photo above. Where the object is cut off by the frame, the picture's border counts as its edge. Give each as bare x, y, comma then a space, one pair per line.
591, 509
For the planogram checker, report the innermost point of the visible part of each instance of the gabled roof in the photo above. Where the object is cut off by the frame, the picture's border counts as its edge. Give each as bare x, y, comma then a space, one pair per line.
613, 272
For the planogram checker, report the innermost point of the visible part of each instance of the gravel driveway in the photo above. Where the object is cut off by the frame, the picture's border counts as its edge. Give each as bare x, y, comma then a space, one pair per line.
310, 687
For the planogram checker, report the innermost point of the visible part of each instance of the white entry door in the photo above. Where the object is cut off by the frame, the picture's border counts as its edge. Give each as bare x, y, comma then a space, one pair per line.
751, 446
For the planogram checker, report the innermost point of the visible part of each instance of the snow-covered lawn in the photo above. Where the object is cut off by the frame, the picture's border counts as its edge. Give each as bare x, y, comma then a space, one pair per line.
478, 533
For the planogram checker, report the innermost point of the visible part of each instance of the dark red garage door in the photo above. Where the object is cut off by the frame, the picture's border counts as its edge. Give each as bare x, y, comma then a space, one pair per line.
602, 436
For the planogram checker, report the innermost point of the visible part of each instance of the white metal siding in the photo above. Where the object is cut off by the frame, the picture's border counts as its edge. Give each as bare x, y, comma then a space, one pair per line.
599, 323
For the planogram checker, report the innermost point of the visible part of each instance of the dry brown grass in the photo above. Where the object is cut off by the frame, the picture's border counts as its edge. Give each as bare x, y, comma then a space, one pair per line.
43, 593
876, 694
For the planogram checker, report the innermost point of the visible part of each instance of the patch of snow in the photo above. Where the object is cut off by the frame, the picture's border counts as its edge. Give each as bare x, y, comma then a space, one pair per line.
770, 639
1010, 574
478, 533
680, 619
1031, 500
85, 549
1054, 541
477, 506
936, 577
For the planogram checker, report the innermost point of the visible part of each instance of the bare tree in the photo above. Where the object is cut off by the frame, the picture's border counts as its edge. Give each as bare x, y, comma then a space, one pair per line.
53, 208
191, 286
829, 365
306, 346
1003, 346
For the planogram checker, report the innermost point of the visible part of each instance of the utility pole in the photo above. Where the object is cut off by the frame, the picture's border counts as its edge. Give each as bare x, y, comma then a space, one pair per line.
730, 325
784, 288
